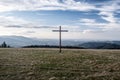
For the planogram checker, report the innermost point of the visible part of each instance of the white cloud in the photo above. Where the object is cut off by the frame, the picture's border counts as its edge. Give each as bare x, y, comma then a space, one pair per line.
85, 20
17, 22
91, 23
10, 20
108, 16
112, 26
110, 30
110, 6
18, 5
102, 35
107, 11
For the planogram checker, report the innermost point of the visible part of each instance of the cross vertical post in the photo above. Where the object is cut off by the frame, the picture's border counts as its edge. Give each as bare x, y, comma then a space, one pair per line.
60, 38
60, 42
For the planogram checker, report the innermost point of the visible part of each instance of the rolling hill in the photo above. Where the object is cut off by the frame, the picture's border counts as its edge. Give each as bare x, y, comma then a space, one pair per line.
101, 45
20, 41
17, 41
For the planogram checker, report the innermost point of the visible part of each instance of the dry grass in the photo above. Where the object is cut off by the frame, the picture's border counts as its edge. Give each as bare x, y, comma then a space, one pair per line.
48, 64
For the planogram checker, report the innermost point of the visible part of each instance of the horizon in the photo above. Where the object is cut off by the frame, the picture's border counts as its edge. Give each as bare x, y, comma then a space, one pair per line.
84, 19
84, 40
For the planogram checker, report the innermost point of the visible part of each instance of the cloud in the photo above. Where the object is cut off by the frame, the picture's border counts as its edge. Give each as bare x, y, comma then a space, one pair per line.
110, 6
41, 27
100, 31
85, 20
17, 22
29, 32
108, 16
13, 26
108, 10
10, 20
89, 31
90, 23
103, 30
32, 5
87, 27
29, 26
100, 35
107, 13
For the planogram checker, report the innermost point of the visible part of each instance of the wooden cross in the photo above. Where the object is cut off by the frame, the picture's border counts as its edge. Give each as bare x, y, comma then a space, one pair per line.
60, 30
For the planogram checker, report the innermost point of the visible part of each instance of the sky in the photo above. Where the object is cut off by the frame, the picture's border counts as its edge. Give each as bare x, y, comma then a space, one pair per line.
84, 19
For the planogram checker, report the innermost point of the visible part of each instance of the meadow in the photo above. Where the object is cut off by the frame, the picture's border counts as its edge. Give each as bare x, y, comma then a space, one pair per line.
49, 64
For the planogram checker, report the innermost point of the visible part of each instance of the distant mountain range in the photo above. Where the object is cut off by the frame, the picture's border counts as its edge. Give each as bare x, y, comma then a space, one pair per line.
20, 41
101, 45
17, 41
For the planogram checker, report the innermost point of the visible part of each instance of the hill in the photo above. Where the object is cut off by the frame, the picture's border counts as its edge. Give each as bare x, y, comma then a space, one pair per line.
20, 41
101, 45
17, 41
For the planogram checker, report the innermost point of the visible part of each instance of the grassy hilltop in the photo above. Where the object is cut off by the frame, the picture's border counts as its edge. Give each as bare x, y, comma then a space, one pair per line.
48, 64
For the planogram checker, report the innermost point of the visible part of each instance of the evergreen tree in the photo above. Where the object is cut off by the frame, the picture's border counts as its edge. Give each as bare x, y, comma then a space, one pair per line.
4, 45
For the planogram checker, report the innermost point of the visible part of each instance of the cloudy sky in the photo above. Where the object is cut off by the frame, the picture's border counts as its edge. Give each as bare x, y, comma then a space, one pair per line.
85, 19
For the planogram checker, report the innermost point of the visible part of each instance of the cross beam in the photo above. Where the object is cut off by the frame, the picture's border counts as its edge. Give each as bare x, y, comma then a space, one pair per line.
60, 30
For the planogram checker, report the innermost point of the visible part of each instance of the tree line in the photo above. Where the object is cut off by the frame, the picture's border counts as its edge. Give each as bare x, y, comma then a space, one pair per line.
51, 46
